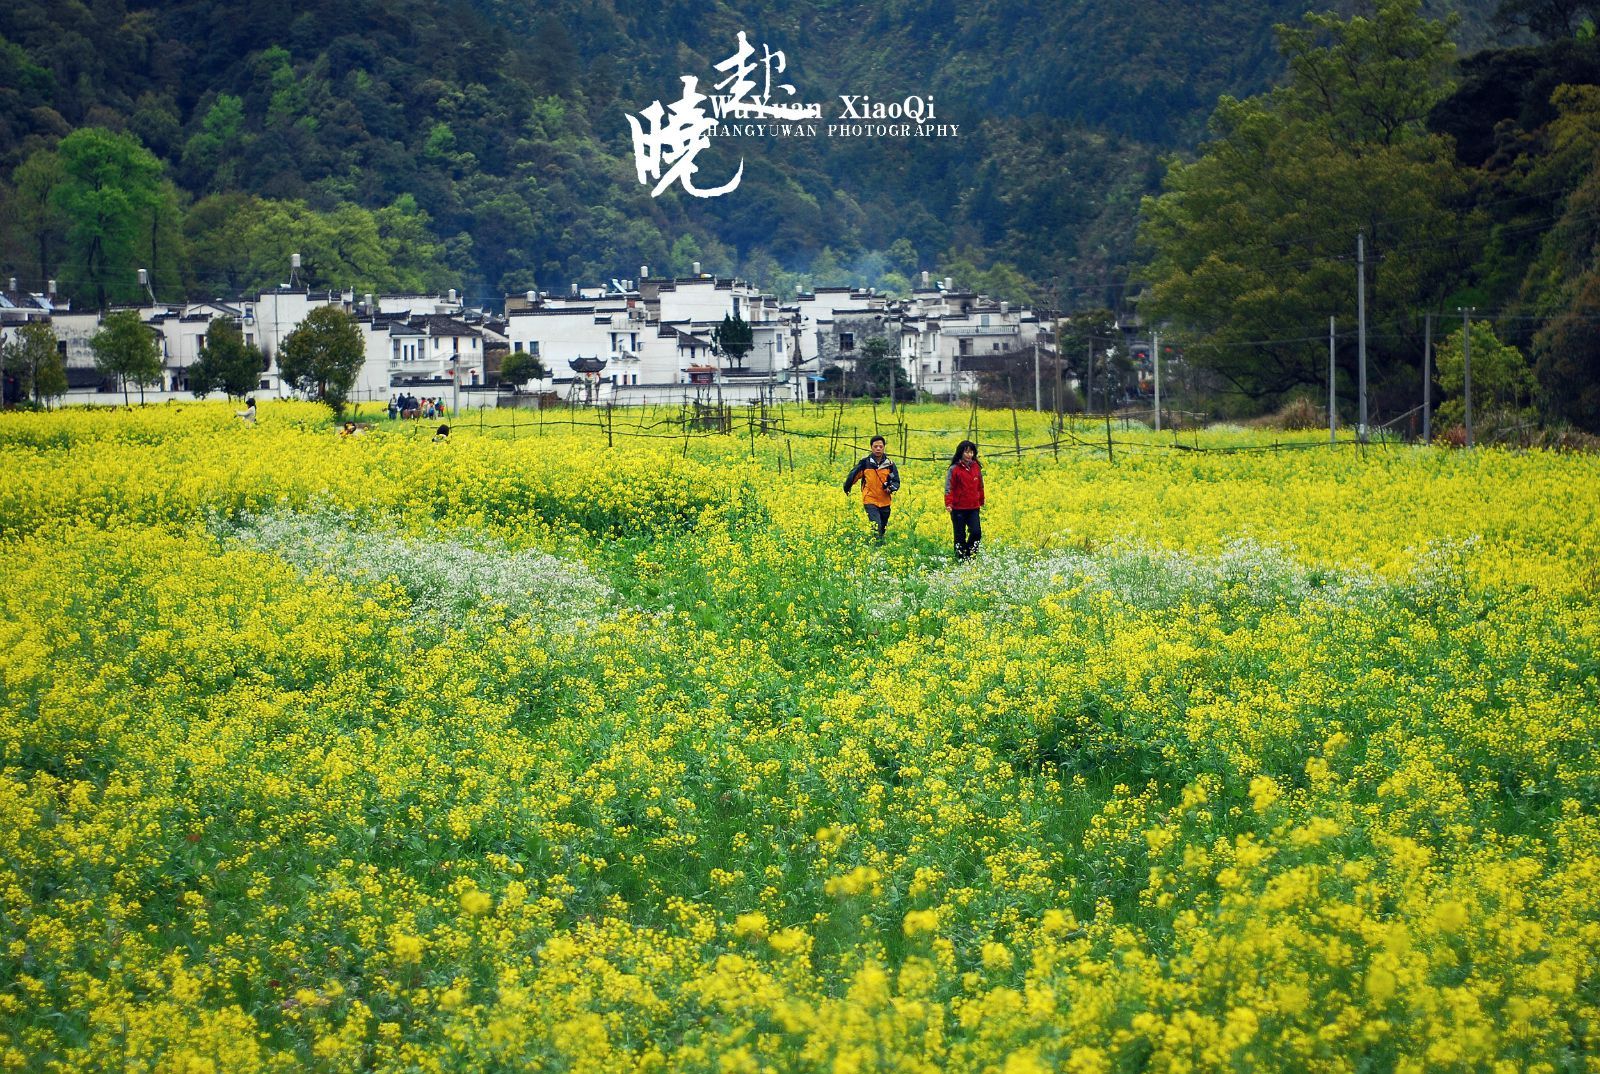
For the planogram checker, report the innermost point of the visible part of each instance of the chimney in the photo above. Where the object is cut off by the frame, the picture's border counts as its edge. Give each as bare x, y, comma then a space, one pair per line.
367, 301
644, 272
697, 268
574, 290
1005, 307
50, 289
949, 283
452, 296
12, 285
531, 296
924, 279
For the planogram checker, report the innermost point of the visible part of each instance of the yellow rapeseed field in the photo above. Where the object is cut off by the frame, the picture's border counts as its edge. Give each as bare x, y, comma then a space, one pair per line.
594, 743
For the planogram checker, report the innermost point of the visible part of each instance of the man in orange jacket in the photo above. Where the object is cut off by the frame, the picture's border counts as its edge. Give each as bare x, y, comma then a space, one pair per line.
880, 480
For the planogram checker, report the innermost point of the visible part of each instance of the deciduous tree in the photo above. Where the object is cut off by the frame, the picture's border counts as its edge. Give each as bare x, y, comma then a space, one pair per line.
1252, 244
227, 363
519, 367
113, 199
323, 356
34, 360
126, 348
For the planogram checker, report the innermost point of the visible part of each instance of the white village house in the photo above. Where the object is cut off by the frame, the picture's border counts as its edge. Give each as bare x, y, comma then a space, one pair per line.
635, 341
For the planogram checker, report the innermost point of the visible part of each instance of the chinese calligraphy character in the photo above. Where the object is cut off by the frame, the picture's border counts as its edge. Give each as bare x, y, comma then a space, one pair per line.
676, 144
738, 101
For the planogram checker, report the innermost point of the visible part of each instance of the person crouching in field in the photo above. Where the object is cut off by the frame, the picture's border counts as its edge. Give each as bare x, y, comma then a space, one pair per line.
880, 480
963, 498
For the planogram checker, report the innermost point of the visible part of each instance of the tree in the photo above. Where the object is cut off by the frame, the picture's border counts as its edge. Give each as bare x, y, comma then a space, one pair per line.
125, 347
1252, 243
1569, 359
115, 205
1562, 282
323, 356
243, 242
34, 213
1502, 384
878, 369
1089, 341
227, 363
211, 155
733, 338
520, 367
1549, 19
33, 361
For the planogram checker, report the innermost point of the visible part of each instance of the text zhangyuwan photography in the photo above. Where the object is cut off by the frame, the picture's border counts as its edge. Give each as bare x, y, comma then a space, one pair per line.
994, 539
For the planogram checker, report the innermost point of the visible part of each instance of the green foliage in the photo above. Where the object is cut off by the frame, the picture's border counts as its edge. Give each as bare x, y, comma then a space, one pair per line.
111, 196
226, 364
1502, 384
33, 358
519, 367
998, 280
878, 371
1548, 19
125, 348
35, 228
733, 338
211, 155
1562, 279
1251, 243
241, 243
1089, 342
323, 356
1568, 358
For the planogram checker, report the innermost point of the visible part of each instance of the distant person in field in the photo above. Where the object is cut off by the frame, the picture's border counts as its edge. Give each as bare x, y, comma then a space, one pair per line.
443, 434
963, 498
248, 413
349, 429
880, 480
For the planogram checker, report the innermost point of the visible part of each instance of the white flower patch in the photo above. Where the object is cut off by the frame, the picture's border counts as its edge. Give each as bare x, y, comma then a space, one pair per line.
445, 580
1244, 573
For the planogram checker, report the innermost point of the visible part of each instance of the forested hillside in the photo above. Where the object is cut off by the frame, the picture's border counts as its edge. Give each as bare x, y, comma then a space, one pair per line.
1458, 190
411, 144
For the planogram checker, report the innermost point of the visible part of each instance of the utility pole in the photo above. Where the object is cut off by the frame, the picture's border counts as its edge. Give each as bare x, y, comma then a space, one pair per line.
1466, 369
1427, 378
1333, 414
1155, 352
1361, 314
1088, 392
1061, 408
1038, 387
894, 366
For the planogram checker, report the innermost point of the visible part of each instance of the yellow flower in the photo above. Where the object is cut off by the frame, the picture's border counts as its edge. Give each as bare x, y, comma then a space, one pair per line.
751, 926
1450, 915
996, 956
406, 947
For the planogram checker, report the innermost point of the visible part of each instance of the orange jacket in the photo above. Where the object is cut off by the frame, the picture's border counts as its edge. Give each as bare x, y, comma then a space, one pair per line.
879, 481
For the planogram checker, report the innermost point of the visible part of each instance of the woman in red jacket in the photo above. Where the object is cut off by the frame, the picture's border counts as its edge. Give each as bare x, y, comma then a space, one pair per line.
963, 497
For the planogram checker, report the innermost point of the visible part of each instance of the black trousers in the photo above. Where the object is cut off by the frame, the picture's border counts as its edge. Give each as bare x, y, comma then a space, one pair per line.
969, 531
878, 516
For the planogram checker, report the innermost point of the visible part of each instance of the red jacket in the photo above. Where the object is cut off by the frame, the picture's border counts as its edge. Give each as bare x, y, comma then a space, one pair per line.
963, 486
